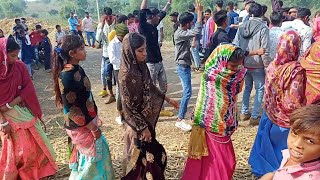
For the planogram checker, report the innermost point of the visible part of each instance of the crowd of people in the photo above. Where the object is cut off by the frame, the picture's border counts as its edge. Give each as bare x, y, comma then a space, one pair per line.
279, 55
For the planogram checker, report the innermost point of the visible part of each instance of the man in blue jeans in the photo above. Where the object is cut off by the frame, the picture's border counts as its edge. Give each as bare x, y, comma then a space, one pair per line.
251, 36
87, 25
183, 58
73, 23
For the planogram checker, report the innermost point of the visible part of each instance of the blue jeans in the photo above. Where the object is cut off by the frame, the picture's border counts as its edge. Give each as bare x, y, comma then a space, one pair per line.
258, 77
106, 73
184, 72
195, 54
74, 32
36, 54
89, 36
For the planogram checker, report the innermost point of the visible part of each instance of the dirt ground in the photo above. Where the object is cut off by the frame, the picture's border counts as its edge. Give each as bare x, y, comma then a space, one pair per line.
174, 140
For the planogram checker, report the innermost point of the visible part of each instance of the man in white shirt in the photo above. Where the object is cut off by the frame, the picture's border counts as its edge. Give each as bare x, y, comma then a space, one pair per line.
103, 30
114, 52
275, 33
87, 25
301, 25
59, 34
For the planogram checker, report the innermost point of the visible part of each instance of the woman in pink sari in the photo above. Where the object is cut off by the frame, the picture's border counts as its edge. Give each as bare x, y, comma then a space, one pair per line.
26, 150
316, 27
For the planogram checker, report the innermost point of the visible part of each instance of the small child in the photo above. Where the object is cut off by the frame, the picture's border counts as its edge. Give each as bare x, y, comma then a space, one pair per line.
59, 35
90, 154
301, 160
46, 50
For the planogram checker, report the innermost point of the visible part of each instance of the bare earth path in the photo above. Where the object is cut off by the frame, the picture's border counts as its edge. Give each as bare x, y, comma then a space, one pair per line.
174, 140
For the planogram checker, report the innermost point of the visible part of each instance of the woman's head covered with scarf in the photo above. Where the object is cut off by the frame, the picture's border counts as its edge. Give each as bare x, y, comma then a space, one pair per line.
285, 80
136, 86
221, 82
311, 62
15, 79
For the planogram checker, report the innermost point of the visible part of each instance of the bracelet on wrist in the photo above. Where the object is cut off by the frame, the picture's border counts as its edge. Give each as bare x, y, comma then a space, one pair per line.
8, 106
4, 124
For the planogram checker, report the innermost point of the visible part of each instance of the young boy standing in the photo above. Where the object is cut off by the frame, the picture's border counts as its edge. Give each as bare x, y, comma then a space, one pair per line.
114, 52
183, 58
46, 47
103, 30
36, 38
59, 35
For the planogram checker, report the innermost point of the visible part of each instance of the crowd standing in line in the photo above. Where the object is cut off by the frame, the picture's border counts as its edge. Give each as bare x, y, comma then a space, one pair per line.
278, 56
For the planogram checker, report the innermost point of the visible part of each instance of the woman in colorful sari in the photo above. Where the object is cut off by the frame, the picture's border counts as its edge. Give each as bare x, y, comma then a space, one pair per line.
211, 153
89, 151
311, 63
26, 150
144, 157
284, 92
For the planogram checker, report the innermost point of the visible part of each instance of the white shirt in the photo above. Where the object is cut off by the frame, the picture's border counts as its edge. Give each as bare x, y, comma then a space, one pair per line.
87, 24
102, 34
114, 52
275, 33
304, 31
59, 35
160, 25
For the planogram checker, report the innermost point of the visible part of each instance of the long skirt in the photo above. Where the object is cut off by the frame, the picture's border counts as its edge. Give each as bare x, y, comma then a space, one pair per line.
142, 160
218, 165
27, 154
266, 153
90, 158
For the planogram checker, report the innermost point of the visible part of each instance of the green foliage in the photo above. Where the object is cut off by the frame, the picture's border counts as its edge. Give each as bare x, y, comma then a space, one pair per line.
53, 12
12, 8
35, 15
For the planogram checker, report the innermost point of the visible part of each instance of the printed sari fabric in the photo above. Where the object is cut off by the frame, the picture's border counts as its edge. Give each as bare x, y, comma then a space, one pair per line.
141, 101
285, 81
89, 158
27, 154
316, 29
311, 62
216, 104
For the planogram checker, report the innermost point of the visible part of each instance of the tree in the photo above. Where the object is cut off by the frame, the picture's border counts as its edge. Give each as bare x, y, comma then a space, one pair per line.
12, 8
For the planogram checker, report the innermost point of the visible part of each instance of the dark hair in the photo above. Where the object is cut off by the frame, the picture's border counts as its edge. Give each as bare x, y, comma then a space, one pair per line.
45, 32
130, 16
276, 18
191, 8
1, 31
23, 19
281, 3
306, 119
237, 55
38, 26
303, 12
135, 12
87, 13
60, 57
12, 45
58, 26
235, 4
220, 17
19, 27
286, 9
17, 20
230, 5
186, 18
264, 9
107, 11
219, 3
208, 11
255, 10
137, 41
121, 18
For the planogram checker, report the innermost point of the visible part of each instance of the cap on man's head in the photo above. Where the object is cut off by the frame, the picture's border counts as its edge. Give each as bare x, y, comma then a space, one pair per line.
174, 14
75, 15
